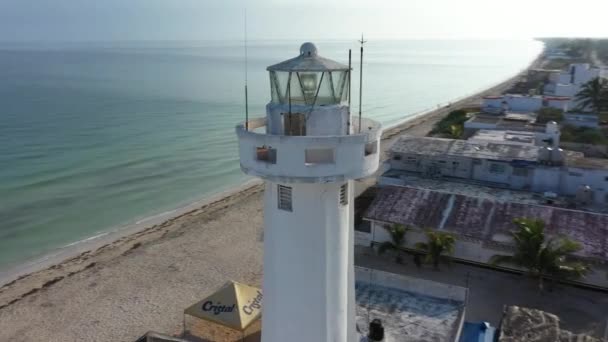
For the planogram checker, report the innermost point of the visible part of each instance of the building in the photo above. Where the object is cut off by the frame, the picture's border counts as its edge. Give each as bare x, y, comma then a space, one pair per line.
308, 149
482, 223
522, 122
506, 160
568, 83
522, 103
575, 119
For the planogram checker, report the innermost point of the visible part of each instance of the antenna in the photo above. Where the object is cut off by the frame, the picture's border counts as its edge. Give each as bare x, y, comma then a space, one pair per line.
349, 80
362, 41
246, 95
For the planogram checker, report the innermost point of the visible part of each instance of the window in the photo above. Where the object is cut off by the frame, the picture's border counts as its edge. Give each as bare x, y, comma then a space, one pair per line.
266, 154
606, 179
284, 196
455, 163
442, 162
344, 194
497, 168
294, 124
371, 148
396, 157
412, 160
575, 174
319, 156
520, 171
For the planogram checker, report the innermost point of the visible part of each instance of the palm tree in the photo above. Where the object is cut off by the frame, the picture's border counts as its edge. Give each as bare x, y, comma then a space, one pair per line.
397, 232
540, 257
437, 244
593, 94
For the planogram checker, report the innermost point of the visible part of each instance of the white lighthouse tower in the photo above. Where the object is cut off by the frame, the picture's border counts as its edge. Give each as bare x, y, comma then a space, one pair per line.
309, 150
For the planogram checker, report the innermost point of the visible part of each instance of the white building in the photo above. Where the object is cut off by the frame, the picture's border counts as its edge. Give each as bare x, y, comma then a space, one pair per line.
509, 160
309, 150
568, 83
522, 103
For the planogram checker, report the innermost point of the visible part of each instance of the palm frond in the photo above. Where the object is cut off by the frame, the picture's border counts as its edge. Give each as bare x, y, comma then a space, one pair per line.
422, 246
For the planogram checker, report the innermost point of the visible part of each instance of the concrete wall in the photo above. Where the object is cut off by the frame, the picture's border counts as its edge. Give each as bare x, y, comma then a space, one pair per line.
320, 121
581, 120
517, 103
351, 161
410, 284
306, 261
574, 178
546, 179
583, 73
432, 166
476, 251
471, 124
558, 104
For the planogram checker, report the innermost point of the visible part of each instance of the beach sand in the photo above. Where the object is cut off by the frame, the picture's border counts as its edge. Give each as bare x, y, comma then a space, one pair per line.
143, 281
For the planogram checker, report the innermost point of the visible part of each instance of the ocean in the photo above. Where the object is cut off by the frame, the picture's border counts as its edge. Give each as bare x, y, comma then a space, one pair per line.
96, 136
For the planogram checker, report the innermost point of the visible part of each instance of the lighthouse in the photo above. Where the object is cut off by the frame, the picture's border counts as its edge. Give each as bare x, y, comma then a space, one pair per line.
308, 149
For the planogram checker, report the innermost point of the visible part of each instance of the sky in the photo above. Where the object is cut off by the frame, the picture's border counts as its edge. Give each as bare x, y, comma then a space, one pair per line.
119, 20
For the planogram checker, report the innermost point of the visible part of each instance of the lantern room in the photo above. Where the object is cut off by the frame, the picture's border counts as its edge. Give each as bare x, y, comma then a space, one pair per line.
309, 95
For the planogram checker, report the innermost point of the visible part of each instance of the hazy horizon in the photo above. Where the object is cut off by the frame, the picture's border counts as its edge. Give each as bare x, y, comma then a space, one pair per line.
192, 20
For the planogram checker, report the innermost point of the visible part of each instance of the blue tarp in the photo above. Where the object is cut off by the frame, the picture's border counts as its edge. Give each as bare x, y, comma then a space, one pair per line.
477, 332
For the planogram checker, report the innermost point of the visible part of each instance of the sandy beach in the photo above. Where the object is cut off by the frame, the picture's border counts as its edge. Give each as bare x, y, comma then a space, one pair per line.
142, 280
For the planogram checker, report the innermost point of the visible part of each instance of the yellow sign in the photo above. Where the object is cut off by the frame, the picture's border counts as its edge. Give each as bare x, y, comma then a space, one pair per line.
235, 305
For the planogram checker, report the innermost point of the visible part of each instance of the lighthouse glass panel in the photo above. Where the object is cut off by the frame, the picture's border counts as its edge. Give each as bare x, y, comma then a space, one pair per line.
309, 88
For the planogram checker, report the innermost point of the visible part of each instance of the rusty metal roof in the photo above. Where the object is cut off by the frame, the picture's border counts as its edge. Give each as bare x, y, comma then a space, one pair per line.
484, 219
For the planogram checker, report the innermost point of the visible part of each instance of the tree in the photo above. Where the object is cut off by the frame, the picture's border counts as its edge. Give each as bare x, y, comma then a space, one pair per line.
397, 232
593, 94
456, 131
437, 244
540, 257
547, 114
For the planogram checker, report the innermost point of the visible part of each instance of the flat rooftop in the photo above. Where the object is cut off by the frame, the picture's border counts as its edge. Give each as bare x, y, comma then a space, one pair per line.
505, 137
487, 220
516, 116
485, 119
411, 309
464, 148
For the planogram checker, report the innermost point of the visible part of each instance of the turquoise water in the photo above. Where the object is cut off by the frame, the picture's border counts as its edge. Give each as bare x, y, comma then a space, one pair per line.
93, 136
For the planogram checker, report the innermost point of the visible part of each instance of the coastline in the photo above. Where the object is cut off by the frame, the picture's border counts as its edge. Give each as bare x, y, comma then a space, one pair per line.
110, 248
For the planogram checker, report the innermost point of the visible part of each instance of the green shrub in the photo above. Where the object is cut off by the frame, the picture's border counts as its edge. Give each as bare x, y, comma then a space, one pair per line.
547, 114
583, 135
453, 122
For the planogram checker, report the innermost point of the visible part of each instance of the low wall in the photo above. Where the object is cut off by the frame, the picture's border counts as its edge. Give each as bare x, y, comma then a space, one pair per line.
476, 252
594, 151
415, 285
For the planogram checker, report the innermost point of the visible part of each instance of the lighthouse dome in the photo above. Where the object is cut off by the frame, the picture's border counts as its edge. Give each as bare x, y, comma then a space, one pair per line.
308, 60
308, 49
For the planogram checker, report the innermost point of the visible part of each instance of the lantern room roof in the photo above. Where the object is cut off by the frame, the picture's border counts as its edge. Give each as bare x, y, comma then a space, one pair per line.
308, 60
